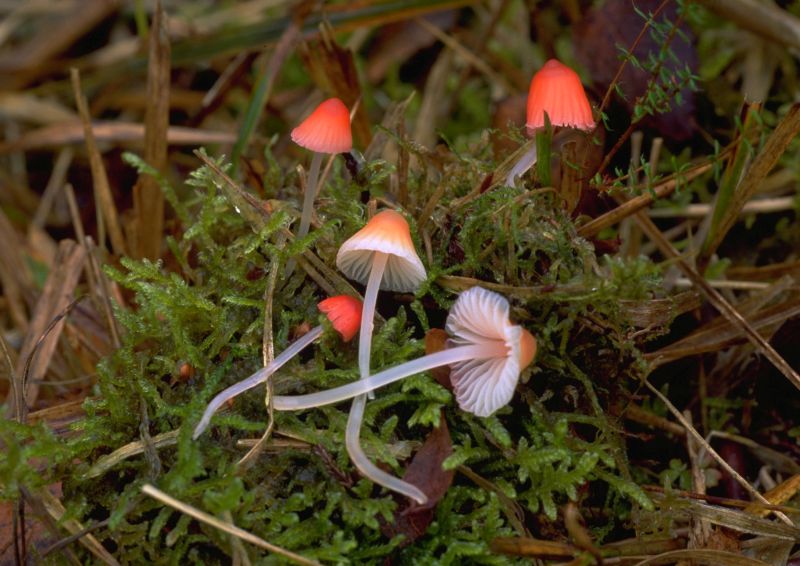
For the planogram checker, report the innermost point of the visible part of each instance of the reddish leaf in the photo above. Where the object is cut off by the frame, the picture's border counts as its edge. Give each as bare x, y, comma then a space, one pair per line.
436, 341
425, 472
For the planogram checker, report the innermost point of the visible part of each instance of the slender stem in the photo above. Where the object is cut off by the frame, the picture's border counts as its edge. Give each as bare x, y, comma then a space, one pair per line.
355, 418
486, 350
367, 468
379, 261
258, 377
525, 162
309, 195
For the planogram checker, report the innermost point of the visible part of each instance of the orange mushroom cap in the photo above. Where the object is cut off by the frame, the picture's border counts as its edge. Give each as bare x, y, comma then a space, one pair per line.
344, 312
557, 90
327, 129
386, 232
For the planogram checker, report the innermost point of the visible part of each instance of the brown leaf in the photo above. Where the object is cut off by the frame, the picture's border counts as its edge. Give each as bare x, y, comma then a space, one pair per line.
436, 341
425, 471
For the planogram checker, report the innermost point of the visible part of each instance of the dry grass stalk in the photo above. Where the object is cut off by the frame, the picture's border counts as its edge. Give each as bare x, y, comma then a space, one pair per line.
691, 431
763, 18
720, 333
778, 495
57, 33
636, 204
65, 133
267, 355
55, 298
223, 526
148, 201
763, 163
14, 274
54, 185
56, 510
716, 299
106, 209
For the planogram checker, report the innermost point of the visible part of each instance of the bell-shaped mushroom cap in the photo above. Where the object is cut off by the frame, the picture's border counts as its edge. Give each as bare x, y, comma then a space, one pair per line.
483, 386
344, 312
386, 232
326, 130
557, 90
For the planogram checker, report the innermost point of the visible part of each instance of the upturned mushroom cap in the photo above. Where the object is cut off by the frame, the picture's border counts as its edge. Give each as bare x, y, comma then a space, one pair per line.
483, 386
326, 130
344, 312
386, 232
557, 90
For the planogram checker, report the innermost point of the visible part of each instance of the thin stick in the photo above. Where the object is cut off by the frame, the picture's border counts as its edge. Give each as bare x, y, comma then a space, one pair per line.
54, 184
267, 354
636, 204
708, 448
107, 210
231, 529
719, 302
701, 210
148, 200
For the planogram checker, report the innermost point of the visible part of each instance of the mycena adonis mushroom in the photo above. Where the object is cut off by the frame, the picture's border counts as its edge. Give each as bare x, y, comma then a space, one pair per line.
382, 256
555, 90
486, 353
325, 131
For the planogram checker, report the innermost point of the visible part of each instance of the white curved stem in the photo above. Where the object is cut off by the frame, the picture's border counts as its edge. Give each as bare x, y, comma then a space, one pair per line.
493, 349
309, 195
258, 377
355, 418
379, 261
525, 162
367, 468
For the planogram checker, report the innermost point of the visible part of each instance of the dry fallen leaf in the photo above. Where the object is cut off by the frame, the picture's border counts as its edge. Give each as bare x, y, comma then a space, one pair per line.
425, 471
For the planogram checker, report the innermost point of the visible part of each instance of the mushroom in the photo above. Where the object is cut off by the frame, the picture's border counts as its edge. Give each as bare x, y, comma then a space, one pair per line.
344, 314
326, 130
380, 255
557, 91
486, 353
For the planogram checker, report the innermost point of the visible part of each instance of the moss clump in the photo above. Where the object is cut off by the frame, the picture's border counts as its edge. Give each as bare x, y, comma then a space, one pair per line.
205, 308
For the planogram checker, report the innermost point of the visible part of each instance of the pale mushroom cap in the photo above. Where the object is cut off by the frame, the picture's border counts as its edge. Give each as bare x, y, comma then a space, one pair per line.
483, 386
557, 90
326, 130
386, 232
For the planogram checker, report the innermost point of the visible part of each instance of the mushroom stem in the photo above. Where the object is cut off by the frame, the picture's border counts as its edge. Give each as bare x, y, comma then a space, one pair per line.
258, 377
482, 351
379, 261
363, 464
353, 432
525, 162
310, 194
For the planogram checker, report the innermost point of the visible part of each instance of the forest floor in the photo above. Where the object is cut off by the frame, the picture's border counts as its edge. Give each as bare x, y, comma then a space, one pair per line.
150, 194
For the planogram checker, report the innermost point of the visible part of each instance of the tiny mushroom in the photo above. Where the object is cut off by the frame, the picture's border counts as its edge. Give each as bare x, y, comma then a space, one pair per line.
380, 255
326, 130
344, 314
557, 91
486, 353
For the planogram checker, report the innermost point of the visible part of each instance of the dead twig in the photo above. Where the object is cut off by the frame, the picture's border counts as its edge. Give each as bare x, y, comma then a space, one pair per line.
159, 495
148, 200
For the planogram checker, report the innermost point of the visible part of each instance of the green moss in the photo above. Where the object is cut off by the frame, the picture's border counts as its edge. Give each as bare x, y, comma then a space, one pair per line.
207, 311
